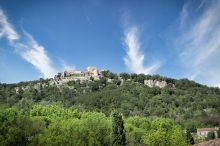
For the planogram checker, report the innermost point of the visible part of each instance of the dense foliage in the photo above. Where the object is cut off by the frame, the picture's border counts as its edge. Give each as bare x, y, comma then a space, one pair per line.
150, 116
118, 134
53, 125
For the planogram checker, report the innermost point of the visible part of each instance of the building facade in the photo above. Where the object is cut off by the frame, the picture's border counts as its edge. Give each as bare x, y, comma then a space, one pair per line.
202, 133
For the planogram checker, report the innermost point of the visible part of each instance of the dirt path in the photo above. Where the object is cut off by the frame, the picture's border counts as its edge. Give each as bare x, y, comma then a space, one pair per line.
215, 142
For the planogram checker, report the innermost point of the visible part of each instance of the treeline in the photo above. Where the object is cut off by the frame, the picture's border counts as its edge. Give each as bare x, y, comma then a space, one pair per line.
53, 125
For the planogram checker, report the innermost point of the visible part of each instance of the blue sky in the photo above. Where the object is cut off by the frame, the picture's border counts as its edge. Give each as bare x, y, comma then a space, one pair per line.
178, 39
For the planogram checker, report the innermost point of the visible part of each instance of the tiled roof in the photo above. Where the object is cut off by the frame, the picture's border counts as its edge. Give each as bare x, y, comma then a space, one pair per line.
206, 129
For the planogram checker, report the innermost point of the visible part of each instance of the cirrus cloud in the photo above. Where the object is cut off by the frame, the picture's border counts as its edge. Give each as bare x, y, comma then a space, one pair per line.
199, 41
6, 29
30, 50
134, 58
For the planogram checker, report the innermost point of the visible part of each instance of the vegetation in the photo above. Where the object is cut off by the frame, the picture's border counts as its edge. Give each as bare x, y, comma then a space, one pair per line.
115, 110
52, 124
189, 137
210, 136
218, 133
118, 133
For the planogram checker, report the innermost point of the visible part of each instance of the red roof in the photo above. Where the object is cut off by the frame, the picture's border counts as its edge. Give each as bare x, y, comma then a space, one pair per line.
206, 129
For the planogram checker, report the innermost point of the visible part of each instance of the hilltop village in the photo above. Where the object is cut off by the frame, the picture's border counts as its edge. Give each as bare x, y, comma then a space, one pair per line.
92, 73
88, 74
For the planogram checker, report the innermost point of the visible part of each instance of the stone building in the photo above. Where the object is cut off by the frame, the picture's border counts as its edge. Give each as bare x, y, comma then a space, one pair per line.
74, 73
92, 71
203, 132
69, 75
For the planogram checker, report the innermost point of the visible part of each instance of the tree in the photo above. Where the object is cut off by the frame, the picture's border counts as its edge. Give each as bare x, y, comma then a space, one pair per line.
210, 135
140, 78
189, 138
108, 74
156, 137
136, 127
113, 76
124, 76
105, 73
92, 78
218, 133
133, 76
176, 137
164, 133
92, 129
95, 86
118, 133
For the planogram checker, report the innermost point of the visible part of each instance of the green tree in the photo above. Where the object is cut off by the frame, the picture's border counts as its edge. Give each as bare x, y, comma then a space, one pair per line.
164, 133
92, 78
140, 78
136, 127
124, 76
176, 136
218, 133
210, 135
118, 133
156, 137
91, 129
189, 138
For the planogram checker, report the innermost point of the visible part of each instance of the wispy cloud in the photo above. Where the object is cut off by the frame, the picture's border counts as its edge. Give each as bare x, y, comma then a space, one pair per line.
199, 43
6, 28
184, 15
36, 54
134, 58
30, 50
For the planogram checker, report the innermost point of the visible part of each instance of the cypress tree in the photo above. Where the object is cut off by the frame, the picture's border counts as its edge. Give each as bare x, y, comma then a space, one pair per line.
190, 139
118, 133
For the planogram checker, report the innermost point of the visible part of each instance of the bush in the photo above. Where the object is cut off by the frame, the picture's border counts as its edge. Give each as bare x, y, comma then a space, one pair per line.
210, 135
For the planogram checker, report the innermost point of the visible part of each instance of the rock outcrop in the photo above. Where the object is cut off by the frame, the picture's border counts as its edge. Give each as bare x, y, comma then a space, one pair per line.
155, 83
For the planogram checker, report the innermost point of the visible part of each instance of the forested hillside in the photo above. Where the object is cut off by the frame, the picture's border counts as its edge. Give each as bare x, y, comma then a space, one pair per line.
82, 113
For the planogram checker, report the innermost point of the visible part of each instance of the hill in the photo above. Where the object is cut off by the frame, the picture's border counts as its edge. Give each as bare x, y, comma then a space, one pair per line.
109, 109
186, 102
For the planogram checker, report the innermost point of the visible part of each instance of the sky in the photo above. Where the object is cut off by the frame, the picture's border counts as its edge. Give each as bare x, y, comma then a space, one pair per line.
177, 39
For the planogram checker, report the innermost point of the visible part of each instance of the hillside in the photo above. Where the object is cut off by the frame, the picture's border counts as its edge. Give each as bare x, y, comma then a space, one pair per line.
184, 101
215, 142
54, 108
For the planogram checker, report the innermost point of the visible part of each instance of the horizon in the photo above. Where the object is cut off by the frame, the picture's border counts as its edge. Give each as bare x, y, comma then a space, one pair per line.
175, 39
